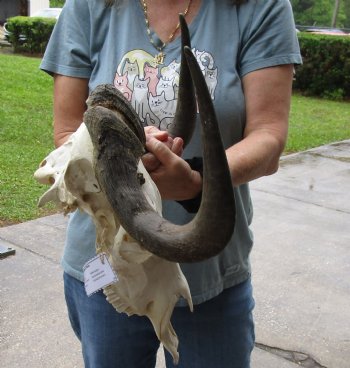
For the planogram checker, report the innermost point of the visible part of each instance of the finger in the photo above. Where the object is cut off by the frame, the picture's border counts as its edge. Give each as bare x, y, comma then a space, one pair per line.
152, 131
150, 162
161, 151
177, 146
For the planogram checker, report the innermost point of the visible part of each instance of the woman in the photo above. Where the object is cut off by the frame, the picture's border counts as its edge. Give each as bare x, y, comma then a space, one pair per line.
246, 50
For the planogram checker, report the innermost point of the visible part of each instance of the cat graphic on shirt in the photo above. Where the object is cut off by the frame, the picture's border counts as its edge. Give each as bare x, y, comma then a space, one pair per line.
139, 101
121, 83
151, 73
132, 69
166, 86
164, 109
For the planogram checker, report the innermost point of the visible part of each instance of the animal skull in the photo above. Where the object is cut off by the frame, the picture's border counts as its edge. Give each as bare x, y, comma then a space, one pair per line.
144, 249
147, 285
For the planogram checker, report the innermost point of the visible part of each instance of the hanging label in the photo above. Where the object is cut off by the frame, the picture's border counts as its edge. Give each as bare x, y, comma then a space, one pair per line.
98, 273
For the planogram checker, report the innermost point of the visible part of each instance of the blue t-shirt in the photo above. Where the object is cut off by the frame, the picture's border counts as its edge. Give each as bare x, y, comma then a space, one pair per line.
111, 45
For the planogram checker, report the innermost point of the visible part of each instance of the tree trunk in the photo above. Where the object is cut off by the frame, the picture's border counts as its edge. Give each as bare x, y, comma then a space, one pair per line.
335, 13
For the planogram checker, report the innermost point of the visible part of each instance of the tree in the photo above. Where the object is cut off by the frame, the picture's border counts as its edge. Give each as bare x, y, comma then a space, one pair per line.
346, 9
321, 13
302, 5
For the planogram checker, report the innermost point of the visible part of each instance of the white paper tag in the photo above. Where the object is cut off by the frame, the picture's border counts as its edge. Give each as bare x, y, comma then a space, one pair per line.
98, 273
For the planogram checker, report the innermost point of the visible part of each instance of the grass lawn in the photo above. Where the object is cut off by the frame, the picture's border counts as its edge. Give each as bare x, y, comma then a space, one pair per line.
315, 122
26, 132
25, 135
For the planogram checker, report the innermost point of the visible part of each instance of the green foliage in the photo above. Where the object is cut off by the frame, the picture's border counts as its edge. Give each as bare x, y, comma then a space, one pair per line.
326, 66
320, 12
347, 13
57, 3
30, 34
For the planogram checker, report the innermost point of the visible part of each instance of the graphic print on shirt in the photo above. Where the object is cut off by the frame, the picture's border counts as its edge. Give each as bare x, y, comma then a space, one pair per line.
152, 89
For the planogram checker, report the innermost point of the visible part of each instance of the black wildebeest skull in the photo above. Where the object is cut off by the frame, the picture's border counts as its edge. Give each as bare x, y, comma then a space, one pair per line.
99, 170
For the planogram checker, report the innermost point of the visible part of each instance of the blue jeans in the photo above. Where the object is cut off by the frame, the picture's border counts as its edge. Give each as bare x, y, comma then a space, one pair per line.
219, 334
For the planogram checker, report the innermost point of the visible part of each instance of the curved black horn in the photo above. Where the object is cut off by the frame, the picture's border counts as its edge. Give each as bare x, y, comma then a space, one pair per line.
108, 96
117, 153
185, 115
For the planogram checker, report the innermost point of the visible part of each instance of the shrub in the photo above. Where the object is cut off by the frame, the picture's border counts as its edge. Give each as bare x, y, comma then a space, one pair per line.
57, 3
326, 66
30, 34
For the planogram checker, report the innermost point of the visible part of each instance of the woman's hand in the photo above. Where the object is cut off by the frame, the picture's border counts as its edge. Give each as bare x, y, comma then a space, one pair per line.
150, 161
173, 176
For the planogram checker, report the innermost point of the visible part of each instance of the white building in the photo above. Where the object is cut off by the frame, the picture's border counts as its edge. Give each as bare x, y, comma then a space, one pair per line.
36, 5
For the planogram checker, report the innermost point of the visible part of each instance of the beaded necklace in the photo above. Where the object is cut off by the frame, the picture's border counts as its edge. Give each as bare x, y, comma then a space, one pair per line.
159, 57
